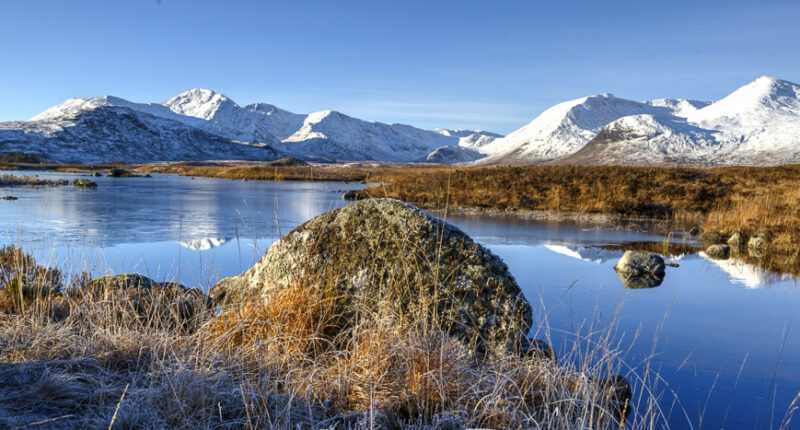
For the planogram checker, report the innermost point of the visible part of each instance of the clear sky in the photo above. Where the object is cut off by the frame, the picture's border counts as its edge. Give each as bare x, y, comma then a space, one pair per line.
491, 65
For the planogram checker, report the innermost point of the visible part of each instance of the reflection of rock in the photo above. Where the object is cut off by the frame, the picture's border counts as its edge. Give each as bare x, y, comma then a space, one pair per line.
204, 244
586, 253
640, 269
641, 281
719, 252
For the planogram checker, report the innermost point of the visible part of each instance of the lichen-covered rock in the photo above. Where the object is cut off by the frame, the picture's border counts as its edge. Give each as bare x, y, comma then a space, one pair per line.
719, 252
736, 241
385, 256
637, 263
756, 246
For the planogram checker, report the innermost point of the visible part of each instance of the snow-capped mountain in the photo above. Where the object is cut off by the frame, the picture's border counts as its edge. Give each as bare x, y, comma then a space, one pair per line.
758, 124
567, 127
200, 124
473, 139
94, 131
337, 136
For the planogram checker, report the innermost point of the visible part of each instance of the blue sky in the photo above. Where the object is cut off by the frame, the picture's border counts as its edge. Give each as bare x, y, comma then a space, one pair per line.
491, 65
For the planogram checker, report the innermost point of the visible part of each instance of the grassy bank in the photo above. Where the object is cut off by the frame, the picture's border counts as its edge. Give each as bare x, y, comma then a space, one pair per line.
29, 181
95, 355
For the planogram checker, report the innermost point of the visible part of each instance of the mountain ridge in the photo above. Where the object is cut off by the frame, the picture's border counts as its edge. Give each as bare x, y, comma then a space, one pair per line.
758, 123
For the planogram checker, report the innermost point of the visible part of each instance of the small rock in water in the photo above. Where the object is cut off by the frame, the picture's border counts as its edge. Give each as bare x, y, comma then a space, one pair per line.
671, 264
719, 252
640, 269
84, 183
355, 195
97, 174
9, 198
637, 263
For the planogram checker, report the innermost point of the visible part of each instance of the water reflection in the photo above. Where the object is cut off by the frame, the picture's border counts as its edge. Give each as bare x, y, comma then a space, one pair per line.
641, 281
741, 272
695, 326
204, 244
586, 253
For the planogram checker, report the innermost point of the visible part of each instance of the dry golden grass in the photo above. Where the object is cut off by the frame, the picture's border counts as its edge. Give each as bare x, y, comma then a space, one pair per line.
262, 172
77, 358
29, 181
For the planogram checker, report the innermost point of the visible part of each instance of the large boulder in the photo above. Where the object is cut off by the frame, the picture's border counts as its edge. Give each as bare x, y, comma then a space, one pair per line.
388, 257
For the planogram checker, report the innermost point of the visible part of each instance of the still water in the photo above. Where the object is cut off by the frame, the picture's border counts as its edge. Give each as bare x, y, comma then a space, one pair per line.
723, 335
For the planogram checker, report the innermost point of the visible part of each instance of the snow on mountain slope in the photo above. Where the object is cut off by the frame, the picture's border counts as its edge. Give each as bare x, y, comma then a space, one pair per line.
337, 136
155, 131
280, 123
679, 107
91, 131
648, 139
474, 139
758, 124
223, 116
453, 154
75, 106
563, 129
763, 115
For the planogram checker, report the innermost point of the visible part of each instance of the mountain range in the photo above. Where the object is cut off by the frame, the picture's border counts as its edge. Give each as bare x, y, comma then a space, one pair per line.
758, 124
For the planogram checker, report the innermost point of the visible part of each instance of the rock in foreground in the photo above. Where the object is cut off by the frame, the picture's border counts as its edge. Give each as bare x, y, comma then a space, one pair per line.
385, 256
